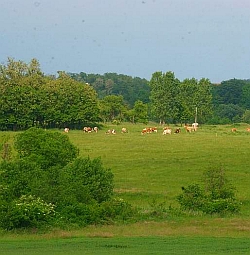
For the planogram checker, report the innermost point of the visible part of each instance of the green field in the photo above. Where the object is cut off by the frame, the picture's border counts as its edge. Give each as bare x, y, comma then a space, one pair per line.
128, 245
155, 167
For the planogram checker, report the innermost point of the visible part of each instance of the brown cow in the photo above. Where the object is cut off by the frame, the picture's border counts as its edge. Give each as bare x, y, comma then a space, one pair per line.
177, 131
87, 129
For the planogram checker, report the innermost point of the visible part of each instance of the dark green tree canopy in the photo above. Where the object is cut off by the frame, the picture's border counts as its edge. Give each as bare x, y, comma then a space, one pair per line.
131, 88
29, 98
46, 148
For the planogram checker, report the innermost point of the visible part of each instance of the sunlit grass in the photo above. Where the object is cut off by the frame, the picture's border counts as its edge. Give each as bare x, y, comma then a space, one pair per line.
155, 167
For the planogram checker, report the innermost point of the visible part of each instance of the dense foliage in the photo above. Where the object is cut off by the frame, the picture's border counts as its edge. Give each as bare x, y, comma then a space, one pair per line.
132, 89
231, 101
29, 98
174, 101
217, 196
47, 185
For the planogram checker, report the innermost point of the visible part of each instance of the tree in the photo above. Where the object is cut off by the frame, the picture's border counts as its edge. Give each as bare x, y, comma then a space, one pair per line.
46, 148
139, 113
19, 101
164, 93
245, 98
246, 116
229, 92
196, 100
112, 107
231, 112
29, 98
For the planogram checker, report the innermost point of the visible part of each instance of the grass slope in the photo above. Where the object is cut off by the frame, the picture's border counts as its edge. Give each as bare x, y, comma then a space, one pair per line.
155, 167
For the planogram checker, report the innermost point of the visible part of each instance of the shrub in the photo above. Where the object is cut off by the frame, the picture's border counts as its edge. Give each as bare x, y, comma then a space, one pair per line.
216, 197
192, 198
85, 180
27, 211
116, 209
46, 148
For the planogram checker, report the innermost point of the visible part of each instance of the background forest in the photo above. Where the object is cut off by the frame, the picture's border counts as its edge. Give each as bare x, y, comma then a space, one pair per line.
31, 98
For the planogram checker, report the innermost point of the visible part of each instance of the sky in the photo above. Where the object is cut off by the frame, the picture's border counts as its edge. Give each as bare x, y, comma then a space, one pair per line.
192, 38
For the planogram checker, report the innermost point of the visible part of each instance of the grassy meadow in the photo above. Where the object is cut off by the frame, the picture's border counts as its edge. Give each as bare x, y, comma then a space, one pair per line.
154, 167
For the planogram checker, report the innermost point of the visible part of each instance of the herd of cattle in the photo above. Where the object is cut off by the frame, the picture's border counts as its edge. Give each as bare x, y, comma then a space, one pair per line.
149, 130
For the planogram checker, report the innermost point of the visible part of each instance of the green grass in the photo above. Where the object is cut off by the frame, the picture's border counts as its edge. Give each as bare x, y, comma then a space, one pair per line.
128, 245
154, 165
148, 167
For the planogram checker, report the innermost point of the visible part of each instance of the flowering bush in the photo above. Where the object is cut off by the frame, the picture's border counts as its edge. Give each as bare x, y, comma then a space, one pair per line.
27, 211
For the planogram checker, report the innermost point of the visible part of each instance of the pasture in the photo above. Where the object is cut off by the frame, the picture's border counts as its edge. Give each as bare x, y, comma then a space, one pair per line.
154, 167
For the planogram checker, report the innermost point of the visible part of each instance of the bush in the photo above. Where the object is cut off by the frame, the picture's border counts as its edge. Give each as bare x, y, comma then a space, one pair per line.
27, 211
48, 174
85, 180
46, 148
116, 209
216, 197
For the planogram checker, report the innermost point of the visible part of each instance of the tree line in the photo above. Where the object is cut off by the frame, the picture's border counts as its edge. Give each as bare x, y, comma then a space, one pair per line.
30, 98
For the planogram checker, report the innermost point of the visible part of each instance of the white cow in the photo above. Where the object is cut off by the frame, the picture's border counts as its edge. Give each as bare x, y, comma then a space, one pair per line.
124, 130
167, 131
66, 130
195, 126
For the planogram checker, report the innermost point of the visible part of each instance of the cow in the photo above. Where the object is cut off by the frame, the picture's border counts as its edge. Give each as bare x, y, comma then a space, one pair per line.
248, 129
233, 130
177, 131
195, 126
95, 129
167, 131
111, 131
124, 130
149, 130
87, 129
66, 130
153, 129
189, 129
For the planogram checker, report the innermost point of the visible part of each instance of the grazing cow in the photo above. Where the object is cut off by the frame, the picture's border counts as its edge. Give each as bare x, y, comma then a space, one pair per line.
87, 129
177, 131
167, 131
95, 129
149, 130
111, 131
233, 130
124, 130
195, 126
66, 130
189, 129
153, 129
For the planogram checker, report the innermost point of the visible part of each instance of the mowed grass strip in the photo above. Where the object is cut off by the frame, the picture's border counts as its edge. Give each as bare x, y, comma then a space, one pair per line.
128, 245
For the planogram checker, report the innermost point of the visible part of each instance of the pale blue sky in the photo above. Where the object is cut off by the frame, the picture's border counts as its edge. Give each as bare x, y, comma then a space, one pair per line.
192, 38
